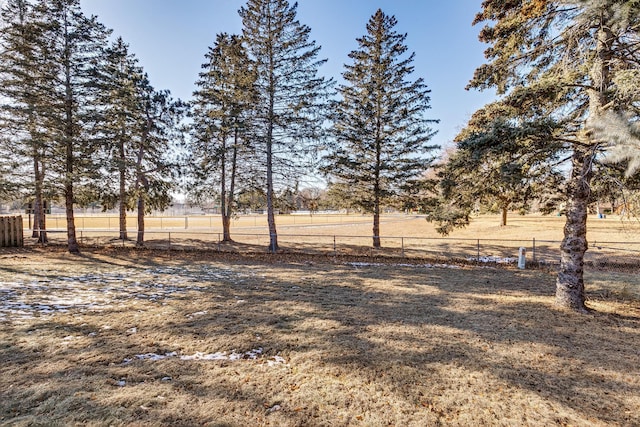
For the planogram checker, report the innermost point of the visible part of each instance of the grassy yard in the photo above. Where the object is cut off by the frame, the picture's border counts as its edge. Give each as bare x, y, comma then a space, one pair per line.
612, 241
123, 337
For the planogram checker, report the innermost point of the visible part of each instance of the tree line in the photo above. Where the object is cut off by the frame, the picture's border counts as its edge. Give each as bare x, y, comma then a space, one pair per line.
81, 123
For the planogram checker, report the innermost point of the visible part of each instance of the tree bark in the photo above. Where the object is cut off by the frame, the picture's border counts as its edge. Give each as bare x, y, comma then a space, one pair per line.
570, 281
271, 121
123, 192
39, 221
141, 209
503, 219
376, 228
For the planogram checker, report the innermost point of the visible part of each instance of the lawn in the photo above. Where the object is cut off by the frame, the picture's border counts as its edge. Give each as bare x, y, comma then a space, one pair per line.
612, 241
125, 337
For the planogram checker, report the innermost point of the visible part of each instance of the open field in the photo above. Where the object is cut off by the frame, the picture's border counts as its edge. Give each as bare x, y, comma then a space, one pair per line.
612, 241
123, 337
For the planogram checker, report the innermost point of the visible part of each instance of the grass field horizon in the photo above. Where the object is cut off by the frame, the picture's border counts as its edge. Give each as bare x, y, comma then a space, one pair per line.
612, 240
144, 337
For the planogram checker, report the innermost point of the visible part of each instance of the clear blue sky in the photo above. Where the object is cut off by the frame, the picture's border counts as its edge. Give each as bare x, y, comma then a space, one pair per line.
170, 38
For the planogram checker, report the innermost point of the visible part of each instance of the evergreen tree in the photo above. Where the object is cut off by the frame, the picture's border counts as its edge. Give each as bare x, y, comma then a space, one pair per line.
121, 78
291, 97
565, 60
381, 134
220, 149
500, 163
73, 49
24, 139
156, 167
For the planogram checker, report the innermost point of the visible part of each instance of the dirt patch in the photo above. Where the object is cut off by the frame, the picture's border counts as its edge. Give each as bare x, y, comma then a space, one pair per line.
121, 337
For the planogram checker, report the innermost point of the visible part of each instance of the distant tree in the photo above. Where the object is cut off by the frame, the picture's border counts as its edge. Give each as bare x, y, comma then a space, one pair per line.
501, 163
311, 199
251, 199
381, 133
566, 61
73, 46
220, 146
288, 112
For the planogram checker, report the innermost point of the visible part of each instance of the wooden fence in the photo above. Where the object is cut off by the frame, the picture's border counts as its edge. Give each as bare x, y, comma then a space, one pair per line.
11, 231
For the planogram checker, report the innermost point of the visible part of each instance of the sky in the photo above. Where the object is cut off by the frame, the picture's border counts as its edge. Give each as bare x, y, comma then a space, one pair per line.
170, 38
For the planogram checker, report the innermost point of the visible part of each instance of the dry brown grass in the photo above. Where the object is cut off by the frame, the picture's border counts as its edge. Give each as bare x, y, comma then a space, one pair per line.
402, 236
363, 344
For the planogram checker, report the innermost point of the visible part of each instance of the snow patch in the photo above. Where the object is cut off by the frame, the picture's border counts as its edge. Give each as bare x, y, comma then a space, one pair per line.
373, 264
254, 354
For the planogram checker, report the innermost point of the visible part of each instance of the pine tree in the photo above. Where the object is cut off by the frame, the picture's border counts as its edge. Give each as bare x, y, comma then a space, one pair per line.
381, 133
25, 138
564, 60
291, 97
120, 79
500, 163
74, 48
156, 167
220, 148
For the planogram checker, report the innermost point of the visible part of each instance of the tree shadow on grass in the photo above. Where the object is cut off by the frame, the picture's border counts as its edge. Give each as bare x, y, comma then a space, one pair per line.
415, 334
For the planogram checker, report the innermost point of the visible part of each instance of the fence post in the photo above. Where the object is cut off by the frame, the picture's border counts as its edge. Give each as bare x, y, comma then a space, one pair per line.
335, 250
169, 236
478, 255
218, 242
402, 243
533, 251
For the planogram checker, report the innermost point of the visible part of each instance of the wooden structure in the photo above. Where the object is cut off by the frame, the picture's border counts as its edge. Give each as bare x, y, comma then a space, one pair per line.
11, 231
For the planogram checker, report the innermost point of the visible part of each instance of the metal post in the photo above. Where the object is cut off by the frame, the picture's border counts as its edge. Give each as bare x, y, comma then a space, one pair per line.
169, 240
478, 258
402, 242
335, 251
218, 242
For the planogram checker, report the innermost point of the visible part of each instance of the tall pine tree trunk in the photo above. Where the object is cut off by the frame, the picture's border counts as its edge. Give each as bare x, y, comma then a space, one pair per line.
141, 209
570, 282
224, 208
376, 217
123, 192
39, 222
271, 219
72, 241
141, 187
376, 227
227, 212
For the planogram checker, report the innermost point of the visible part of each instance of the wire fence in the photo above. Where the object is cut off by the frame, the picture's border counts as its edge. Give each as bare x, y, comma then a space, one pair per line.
444, 250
